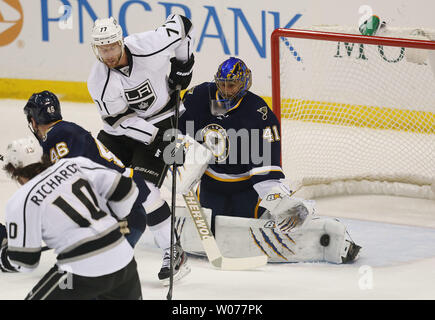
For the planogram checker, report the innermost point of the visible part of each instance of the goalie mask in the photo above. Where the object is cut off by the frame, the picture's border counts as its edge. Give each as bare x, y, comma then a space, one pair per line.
107, 41
233, 80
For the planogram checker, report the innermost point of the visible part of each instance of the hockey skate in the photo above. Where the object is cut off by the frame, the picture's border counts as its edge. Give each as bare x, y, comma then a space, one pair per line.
181, 267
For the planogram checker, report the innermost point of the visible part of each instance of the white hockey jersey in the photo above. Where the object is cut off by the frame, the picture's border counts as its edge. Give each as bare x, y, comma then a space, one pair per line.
131, 102
69, 207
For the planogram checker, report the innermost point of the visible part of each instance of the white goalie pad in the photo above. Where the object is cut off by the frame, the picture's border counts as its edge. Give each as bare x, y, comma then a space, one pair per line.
320, 239
197, 158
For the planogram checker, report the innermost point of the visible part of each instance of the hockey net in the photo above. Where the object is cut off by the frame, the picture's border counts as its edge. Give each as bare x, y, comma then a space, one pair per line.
357, 112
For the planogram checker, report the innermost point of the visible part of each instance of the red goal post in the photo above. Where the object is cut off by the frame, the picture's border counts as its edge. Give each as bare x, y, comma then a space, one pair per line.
413, 127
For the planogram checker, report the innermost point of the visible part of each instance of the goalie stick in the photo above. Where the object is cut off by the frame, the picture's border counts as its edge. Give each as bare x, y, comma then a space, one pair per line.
173, 198
209, 242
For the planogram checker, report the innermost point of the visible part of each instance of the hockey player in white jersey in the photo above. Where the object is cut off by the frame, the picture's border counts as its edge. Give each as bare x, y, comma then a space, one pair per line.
63, 139
69, 206
136, 99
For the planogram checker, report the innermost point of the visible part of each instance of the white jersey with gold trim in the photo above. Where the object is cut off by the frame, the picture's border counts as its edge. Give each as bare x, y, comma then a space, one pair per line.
132, 99
71, 207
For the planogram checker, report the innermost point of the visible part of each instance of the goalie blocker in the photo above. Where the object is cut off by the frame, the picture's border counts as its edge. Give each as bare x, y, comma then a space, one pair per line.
196, 160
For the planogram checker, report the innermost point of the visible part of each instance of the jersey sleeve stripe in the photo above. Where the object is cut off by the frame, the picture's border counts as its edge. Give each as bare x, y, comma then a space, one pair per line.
115, 121
156, 52
135, 129
244, 176
104, 91
122, 189
187, 25
99, 105
28, 259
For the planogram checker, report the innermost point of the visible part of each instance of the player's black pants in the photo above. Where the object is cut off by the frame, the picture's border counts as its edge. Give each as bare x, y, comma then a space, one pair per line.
136, 155
123, 284
235, 204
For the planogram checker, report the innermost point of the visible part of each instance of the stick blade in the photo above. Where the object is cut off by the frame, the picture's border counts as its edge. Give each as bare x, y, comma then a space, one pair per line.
209, 244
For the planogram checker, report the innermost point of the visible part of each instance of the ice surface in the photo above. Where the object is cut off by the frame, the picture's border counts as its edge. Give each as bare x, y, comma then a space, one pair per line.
397, 235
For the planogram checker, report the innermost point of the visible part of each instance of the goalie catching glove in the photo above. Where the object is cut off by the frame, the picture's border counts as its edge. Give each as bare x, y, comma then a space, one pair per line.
288, 212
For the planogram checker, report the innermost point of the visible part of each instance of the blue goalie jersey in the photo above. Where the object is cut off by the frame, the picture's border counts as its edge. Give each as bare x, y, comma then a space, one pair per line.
245, 141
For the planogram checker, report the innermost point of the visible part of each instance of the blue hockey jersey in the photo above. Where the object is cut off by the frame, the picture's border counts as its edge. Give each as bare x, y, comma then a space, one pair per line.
245, 141
67, 140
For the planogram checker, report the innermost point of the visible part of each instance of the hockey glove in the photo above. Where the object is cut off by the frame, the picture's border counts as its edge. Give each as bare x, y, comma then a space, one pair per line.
163, 147
181, 73
291, 219
3, 233
288, 211
5, 265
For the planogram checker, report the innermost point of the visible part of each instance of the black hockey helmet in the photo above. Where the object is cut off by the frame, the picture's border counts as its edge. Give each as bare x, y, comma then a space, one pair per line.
44, 107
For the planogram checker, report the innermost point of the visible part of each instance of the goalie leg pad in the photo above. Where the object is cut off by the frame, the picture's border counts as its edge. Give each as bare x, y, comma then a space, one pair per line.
319, 240
340, 248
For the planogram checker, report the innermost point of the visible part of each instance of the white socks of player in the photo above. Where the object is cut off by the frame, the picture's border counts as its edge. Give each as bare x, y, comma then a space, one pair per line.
162, 234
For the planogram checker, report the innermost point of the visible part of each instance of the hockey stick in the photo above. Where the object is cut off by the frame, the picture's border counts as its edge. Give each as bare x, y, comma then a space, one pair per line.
209, 242
174, 194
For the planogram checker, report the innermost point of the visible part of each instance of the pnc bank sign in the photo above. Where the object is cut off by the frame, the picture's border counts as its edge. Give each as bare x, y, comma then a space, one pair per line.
208, 20
11, 21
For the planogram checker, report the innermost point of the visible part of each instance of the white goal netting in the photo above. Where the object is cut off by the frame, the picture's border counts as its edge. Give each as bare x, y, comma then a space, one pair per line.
356, 117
